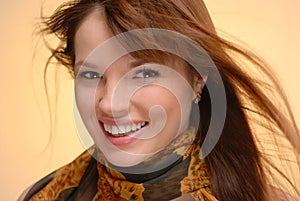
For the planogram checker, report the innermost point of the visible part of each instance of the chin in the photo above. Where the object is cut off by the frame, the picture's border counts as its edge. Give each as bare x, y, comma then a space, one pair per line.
124, 159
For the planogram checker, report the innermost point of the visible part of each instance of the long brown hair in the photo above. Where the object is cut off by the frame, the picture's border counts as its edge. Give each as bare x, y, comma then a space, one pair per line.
239, 165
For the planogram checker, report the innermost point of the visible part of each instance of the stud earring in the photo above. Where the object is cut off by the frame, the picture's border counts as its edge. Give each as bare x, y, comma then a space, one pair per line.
198, 98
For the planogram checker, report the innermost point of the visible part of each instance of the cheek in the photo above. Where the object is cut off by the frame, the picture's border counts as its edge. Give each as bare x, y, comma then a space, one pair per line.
153, 96
85, 101
86, 121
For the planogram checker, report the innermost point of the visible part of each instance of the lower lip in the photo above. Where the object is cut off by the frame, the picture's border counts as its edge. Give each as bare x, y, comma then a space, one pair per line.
123, 140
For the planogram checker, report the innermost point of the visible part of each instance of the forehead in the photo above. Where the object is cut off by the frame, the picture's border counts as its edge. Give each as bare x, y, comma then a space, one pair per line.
92, 31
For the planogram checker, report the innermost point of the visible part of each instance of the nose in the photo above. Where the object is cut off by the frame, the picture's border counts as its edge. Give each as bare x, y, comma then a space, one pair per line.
110, 98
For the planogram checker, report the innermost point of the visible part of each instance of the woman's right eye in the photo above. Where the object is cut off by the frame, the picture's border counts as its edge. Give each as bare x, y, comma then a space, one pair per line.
89, 75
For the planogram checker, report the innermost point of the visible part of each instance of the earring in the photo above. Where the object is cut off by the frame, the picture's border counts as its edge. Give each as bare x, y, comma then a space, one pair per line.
198, 98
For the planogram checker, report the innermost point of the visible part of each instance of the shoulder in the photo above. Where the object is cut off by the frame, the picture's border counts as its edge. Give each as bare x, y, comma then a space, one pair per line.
23, 195
36, 187
68, 174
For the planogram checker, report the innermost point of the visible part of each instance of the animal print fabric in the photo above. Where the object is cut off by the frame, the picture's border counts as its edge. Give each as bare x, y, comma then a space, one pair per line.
66, 182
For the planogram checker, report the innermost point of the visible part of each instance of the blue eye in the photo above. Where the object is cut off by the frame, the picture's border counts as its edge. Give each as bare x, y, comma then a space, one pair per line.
89, 75
146, 73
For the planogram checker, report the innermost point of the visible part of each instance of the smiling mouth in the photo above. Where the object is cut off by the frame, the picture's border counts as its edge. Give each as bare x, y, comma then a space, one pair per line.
123, 130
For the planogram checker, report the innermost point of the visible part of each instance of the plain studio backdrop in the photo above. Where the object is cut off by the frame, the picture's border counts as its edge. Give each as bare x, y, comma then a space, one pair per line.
270, 28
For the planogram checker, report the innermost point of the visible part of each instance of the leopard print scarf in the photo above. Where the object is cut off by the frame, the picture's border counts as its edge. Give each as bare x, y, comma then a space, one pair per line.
74, 181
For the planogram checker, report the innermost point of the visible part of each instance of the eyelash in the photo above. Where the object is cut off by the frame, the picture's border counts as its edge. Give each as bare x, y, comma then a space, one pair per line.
146, 73
92, 75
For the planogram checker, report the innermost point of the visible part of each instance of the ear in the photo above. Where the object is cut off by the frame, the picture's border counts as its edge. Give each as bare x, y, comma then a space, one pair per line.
198, 83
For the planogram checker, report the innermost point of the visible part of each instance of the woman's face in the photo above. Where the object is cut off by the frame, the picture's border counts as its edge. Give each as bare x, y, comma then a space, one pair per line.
131, 108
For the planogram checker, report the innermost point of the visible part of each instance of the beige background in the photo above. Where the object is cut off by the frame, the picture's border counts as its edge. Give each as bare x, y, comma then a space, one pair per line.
271, 28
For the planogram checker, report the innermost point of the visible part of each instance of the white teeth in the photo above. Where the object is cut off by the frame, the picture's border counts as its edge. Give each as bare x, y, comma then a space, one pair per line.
123, 129
128, 128
114, 130
133, 127
107, 128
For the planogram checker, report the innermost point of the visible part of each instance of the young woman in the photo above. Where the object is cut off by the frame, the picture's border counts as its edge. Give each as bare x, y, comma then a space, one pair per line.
172, 111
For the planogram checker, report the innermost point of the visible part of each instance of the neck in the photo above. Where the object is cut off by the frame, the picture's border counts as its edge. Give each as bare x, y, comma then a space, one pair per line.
144, 172
146, 176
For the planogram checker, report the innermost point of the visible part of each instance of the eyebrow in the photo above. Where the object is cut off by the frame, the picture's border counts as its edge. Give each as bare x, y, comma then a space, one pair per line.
84, 63
90, 65
137, 63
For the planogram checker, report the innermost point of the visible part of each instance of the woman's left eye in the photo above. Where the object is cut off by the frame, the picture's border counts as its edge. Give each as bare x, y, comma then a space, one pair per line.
89, 75
146, 73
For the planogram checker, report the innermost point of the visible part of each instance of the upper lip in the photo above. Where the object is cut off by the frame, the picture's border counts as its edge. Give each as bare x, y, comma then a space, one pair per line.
117, 122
